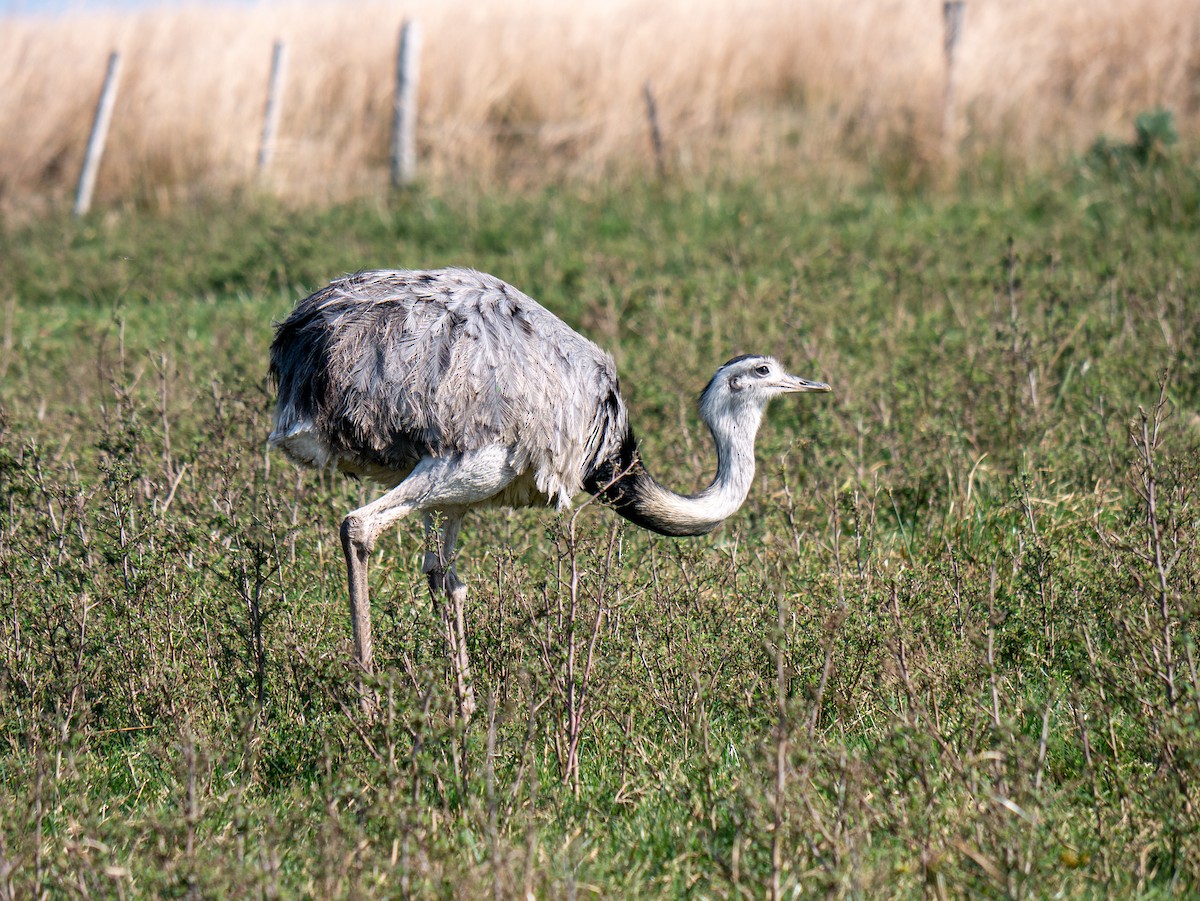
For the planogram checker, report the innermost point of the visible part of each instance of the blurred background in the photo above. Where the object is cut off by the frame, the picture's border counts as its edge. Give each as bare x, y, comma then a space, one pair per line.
534, 91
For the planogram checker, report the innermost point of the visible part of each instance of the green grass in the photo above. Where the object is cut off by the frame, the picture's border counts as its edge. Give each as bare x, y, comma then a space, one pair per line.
940, 608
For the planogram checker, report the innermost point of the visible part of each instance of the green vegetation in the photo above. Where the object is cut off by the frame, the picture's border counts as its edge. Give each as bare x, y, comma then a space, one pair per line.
948, 646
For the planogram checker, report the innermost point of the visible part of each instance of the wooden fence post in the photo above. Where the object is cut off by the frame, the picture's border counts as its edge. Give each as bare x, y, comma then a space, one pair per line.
404, 118
656, 140
273, 109
95, 147
952, 18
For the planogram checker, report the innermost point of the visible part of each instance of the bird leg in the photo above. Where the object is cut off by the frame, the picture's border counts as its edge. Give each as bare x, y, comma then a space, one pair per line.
357, 553
441, 531
359, 531
449, 484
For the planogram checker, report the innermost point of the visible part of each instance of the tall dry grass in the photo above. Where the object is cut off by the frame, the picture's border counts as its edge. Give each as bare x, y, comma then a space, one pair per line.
529, 89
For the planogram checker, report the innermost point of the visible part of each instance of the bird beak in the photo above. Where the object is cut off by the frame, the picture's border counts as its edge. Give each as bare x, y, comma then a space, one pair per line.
791, 385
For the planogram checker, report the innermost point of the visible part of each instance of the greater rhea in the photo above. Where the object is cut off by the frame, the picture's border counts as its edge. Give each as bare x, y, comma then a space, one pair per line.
455, 390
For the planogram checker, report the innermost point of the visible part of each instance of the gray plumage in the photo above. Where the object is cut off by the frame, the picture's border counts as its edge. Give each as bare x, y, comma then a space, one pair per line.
454, 390
381, 369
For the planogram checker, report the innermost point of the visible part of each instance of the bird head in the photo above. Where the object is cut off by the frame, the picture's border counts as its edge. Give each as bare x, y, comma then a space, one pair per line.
745, 385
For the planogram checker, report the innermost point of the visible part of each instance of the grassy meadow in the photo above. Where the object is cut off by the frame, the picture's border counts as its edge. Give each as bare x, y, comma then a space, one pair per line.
947, 648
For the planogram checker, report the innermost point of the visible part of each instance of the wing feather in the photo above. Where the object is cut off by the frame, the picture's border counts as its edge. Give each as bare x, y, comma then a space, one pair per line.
391, 366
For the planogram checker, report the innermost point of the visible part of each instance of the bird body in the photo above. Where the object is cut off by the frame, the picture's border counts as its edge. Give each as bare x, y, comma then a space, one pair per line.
455, 390
381, 369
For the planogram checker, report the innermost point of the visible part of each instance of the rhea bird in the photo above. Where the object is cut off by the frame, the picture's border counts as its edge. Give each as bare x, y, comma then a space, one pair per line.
454, 390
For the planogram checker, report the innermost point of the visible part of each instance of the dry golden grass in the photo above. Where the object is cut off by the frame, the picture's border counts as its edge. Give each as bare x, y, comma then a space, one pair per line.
530, 89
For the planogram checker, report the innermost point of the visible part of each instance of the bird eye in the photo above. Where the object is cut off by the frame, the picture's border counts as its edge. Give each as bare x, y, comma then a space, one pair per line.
762, 370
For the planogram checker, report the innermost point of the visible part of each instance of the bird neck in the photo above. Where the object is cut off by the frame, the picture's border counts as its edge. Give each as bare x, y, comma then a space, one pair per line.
643, 500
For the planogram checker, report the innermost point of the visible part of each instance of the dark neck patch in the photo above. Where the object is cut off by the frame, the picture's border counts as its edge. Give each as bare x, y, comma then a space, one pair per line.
622, 483
607, 477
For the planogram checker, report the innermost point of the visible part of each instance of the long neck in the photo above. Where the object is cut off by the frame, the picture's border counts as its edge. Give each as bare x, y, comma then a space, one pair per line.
643, 500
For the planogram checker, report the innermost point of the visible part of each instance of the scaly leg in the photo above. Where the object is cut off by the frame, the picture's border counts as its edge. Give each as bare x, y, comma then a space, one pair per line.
441, 534
360, 611
360, 608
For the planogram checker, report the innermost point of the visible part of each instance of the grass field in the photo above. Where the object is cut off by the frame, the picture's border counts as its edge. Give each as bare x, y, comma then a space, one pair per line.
947, 648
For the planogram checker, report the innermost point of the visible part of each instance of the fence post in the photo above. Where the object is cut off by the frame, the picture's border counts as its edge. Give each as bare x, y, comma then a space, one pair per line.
656, 141
95, 147
952, 18
404, 118
273, 109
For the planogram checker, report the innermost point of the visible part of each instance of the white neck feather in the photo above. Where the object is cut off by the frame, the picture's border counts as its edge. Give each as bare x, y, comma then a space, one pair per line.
695, 514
